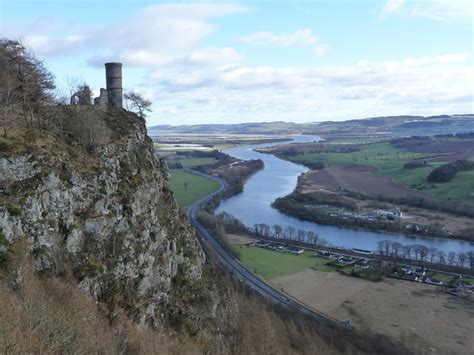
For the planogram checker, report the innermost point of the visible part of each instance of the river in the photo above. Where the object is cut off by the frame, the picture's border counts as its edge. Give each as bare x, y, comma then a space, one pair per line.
278, 179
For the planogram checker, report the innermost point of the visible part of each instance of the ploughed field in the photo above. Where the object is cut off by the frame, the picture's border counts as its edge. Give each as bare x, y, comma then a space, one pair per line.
423, 316
378, 167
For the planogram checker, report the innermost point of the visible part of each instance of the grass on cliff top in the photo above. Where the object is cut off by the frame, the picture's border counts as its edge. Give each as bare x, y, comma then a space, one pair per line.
197, 187
270, 264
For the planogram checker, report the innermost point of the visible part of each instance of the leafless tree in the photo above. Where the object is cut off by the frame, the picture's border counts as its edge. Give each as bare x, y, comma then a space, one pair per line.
451, 257
301, 235
441, 257
311, 235
137, 103
407, 251
396, 247
423, 252
470, 258
26, 85
462, 258
416, 249
433, 252
290, 231
277, 229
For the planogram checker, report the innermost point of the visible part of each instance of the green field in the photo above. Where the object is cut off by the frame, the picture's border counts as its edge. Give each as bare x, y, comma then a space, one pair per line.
390, 160
191, 162
270, 264
197, 187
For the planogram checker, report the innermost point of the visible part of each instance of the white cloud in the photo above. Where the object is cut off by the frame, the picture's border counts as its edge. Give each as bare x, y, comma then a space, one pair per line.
391, 6
430, 85
444, 10
438, 10
303, 38
299, 38
157, 35
190, 81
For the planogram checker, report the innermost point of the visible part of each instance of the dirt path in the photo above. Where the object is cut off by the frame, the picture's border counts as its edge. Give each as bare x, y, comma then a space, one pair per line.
422, 316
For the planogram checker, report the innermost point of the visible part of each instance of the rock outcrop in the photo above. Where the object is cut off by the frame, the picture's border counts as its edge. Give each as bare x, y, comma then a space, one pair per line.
107, 218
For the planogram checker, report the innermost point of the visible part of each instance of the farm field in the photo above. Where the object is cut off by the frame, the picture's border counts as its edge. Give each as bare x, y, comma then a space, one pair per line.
197, 187
387, 161
397, 308
270, 264
191, 162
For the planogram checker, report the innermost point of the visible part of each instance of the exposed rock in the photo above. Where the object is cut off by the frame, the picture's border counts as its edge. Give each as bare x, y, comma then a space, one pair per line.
116, 227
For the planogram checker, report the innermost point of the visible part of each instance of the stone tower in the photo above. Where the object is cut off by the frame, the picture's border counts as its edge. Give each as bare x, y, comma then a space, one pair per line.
113, 76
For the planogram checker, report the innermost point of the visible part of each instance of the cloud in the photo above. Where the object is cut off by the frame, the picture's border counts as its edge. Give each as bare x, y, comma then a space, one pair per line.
391, 6
438, 10
300, 38
157, 35
190, 80
428, 85
444, 10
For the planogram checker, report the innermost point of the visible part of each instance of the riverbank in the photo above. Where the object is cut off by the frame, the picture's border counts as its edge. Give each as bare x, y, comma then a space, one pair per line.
322, 201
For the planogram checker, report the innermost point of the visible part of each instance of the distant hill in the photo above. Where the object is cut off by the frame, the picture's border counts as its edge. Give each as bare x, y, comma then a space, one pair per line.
395, 125
277, 127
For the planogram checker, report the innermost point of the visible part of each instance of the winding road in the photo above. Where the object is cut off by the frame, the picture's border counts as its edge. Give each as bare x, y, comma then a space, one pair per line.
227, 261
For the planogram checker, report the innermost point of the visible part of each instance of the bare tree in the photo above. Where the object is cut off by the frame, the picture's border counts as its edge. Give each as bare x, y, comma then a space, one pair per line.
470, 258
407, 251
265, 229
441, 257
433, 252
26, 85
381, 247
462, 258
423, 252
277, 229
451, 257
301, 235
256, 228
290, 231
137, 103
416, 249
396, 248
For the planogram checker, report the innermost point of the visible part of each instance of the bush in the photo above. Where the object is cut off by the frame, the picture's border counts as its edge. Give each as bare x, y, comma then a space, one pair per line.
14, 210
448, 171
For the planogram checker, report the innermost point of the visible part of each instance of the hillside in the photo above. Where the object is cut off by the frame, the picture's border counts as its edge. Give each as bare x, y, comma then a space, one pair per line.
393, 125
95, 255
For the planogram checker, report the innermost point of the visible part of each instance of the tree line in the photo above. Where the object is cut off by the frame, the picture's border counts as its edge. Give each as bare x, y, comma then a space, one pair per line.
423, 253
388, 248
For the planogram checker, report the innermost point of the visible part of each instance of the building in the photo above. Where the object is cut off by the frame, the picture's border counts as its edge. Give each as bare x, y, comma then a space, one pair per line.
111, 96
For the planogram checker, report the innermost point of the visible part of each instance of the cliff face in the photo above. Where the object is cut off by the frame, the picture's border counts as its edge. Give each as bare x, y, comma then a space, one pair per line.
107, 217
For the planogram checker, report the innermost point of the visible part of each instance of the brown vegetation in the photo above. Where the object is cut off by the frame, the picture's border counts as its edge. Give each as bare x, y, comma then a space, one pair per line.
420, 315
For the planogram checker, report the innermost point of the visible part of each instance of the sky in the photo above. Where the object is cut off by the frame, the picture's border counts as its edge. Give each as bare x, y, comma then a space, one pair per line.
253, 61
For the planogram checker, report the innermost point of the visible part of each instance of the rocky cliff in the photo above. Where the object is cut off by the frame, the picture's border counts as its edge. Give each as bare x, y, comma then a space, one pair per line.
102, 213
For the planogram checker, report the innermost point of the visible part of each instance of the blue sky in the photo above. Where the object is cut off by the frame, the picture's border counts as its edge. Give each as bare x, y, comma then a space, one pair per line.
227, 62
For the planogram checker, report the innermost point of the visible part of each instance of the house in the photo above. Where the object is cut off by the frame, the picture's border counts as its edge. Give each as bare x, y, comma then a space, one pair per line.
420, 272
410, 277
433, 281
346, 260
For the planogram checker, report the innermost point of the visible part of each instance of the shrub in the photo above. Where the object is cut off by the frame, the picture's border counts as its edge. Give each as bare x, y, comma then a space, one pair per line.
448, 171
14, 210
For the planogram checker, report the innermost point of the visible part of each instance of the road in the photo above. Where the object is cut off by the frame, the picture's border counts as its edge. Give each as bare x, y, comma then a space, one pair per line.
227, 261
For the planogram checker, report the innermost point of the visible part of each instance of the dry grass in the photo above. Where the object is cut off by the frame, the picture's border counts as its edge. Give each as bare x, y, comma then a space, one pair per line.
50, 316
421, 316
